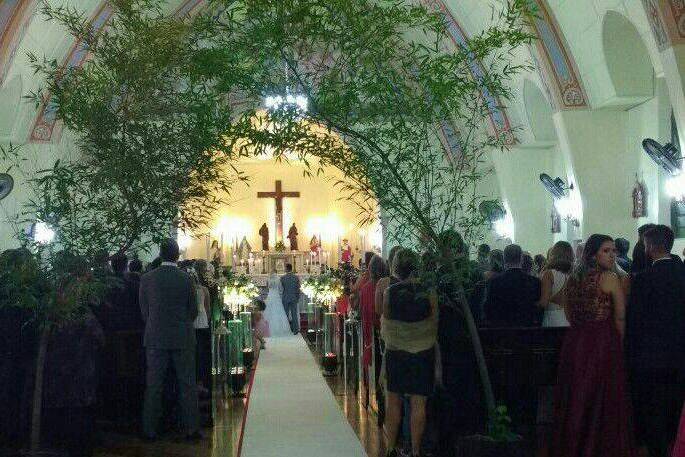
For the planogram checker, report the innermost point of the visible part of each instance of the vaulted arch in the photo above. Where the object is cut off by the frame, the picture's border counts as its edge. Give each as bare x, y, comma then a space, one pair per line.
14, 17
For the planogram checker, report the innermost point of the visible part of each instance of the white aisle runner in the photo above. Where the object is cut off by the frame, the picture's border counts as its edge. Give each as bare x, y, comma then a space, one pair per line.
292, 411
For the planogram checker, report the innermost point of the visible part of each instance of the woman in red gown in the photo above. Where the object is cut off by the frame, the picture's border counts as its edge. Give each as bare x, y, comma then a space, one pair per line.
679, 446
593, 414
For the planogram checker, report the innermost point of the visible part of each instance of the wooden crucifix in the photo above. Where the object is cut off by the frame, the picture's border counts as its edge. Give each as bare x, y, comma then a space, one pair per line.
279, 195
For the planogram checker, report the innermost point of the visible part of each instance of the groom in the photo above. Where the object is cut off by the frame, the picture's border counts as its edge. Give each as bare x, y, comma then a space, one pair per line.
291, 297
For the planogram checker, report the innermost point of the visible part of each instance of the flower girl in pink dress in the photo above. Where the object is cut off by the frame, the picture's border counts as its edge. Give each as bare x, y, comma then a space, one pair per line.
261, 323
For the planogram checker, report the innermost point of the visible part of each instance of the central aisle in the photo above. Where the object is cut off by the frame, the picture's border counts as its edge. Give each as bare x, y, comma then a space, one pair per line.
292, 412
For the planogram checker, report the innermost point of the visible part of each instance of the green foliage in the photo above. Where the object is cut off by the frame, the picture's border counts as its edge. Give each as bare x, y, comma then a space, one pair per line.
165, 107
500, 426
147, 124
54, 293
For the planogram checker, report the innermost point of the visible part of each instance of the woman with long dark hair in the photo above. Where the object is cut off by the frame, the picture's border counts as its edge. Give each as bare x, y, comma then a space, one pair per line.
593, 415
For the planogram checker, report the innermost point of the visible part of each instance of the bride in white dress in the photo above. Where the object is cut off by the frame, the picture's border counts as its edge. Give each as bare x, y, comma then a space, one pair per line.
275, 313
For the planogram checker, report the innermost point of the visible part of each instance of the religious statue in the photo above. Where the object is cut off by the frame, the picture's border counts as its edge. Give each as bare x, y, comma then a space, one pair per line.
244, 250
292, 236
264, 233
217, 256
314, 245
556, 221
346, 254
639, 201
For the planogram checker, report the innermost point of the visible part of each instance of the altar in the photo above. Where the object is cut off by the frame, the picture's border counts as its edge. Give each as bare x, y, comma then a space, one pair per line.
267, 262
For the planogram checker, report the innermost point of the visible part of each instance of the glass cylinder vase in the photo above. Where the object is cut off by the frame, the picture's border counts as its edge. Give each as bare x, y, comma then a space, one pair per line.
237, 377
329, 356
248, 345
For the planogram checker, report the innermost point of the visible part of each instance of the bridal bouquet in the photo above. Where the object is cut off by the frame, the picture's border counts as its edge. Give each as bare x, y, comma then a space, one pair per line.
239, 292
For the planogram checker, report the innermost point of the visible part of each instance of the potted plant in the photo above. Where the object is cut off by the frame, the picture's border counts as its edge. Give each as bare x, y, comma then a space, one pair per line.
498, 442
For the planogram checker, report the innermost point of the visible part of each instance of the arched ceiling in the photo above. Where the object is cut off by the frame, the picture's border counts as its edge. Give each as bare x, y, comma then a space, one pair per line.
556, 66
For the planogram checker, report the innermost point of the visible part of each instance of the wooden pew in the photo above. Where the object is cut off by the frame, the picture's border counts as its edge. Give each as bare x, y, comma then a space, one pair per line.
523, 363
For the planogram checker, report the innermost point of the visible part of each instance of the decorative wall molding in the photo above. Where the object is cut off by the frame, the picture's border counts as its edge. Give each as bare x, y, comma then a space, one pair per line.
498, 116
656, 23
15, 16
667, 21
558, 62
44, 130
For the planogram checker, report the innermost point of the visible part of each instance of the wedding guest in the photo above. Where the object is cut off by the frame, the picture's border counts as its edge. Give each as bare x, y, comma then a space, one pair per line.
511, 297
553, 283
592, 412
409, 328
655, 343
679, 446
261, 325
363, 278
378, 270
122, 297
622, 247
539, 262
203, 335
135, 271
153, 265
135, 266
580, 248
483, 261
168, 304
367, 294
495, 264
640, 261
386, 281
527, 264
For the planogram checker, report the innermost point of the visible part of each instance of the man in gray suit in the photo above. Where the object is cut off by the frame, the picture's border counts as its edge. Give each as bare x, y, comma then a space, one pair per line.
169, 306
291, 297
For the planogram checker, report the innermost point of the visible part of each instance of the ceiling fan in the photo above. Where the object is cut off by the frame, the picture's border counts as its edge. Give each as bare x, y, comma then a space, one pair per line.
666, 156
6, 185
557, 187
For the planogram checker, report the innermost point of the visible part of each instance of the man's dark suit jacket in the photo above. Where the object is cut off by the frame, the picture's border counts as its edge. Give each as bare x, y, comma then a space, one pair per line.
168, 304
511, 299
655, 319
291, 288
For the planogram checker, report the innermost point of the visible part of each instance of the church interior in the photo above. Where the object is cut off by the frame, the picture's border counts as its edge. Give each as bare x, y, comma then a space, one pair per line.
504, 281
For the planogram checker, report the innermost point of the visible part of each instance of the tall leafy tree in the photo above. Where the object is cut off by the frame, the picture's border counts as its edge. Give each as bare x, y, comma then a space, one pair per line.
166, 105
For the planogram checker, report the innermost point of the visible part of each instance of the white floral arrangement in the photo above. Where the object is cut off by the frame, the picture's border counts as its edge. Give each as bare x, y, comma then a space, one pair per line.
239, 292
324, 288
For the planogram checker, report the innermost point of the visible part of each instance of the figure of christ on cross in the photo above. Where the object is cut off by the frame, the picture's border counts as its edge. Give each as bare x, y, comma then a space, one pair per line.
279, 195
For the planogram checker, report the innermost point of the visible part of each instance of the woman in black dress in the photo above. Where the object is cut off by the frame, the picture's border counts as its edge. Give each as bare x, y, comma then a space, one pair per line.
409, 329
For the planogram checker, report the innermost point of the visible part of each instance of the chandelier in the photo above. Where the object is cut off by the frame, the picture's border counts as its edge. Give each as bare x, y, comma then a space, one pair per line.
295, 102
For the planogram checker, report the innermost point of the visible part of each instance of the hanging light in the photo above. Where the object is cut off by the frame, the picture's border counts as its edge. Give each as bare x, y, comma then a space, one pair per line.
296, 102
